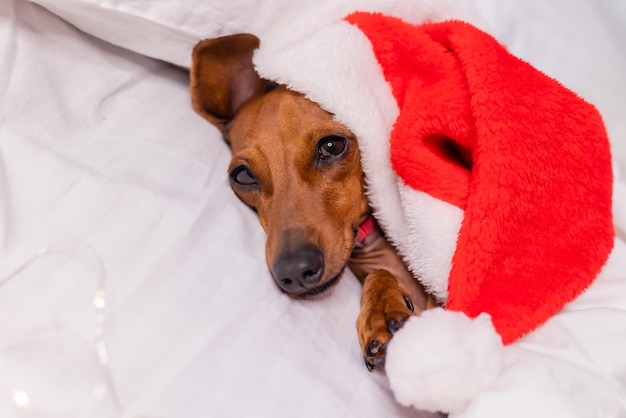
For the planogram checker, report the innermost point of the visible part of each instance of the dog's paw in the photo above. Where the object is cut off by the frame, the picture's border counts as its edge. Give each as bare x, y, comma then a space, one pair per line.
385, 307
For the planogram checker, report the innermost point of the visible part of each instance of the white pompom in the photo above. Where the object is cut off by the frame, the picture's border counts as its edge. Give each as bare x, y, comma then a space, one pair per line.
440, 360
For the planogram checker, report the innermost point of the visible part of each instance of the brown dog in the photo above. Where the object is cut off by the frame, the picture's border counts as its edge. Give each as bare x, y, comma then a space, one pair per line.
300, 170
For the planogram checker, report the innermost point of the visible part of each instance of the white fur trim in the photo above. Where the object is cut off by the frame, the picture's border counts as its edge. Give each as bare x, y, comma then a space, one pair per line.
441, 360
433, 227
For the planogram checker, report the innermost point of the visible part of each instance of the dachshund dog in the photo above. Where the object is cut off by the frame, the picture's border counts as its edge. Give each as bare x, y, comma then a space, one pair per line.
300, 170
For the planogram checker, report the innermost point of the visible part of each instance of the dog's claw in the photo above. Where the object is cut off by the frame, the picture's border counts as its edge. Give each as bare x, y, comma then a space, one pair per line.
375, 355
373, 348
409, 303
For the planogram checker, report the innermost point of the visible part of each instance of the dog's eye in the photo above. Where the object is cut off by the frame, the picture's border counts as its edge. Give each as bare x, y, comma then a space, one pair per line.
243, 176
331, 146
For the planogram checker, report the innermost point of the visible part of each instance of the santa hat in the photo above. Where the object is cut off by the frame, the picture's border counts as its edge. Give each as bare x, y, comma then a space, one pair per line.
492, 180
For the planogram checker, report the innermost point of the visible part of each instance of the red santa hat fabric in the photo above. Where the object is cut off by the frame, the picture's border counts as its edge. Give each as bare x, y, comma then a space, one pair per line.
527, 161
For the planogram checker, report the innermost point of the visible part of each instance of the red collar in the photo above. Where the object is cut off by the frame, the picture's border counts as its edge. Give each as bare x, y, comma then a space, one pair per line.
365, 229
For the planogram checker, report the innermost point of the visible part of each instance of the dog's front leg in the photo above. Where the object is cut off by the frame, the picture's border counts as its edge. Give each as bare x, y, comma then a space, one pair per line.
385, 306
390, 296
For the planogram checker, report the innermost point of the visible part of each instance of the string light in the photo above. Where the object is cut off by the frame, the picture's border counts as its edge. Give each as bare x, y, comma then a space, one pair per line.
21, 399
99, 301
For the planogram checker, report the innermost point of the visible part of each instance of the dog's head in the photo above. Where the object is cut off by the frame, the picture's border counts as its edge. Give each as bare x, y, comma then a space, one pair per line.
296, 166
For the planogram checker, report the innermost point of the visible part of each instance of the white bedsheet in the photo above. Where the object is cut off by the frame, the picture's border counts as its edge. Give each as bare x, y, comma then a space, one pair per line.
100, 147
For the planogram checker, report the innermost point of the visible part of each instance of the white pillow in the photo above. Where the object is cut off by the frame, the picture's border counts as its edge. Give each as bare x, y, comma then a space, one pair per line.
168, 29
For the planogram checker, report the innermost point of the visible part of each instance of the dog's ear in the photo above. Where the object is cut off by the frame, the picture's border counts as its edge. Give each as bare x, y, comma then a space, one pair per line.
222, 77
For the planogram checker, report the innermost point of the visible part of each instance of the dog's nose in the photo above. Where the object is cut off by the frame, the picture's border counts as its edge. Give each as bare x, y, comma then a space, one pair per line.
299, 270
